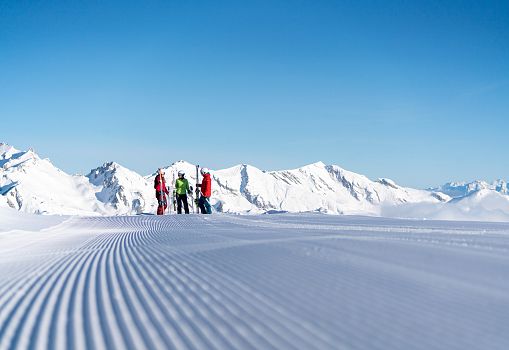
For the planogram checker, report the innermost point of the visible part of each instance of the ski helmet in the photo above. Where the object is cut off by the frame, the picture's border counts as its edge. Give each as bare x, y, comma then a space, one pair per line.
204, 171
181, 173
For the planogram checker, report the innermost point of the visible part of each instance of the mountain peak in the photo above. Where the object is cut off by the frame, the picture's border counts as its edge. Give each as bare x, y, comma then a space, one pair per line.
11, 157
6, 150
182, 163
318, 164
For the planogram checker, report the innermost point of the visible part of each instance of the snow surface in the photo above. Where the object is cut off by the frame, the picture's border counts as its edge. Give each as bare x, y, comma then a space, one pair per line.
482, 205
12, 220
289, 281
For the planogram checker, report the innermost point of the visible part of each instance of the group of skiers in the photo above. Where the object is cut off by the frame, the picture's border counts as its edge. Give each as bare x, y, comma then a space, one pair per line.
182, 190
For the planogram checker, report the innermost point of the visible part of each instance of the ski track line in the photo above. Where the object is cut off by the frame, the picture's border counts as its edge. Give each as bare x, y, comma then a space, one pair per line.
40, 292
295, 335
140, 309
206, 273
27, 308
65, 300
17, 283
192, 335
376, 281
261, 223
44, 319
200, 282
216, 307
442, 243
139, 295
279, 303
456, 237
171, 336
448, 282
363, 262
277, 323
197, 318
28, 304
41, 319
191, 303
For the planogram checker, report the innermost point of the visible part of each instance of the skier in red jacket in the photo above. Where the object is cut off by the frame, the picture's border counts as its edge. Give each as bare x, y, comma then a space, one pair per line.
161, 192
206, 191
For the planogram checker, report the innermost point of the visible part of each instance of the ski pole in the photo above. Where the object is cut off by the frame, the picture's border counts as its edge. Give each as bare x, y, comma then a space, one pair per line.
197, 199
169, 206
161, 192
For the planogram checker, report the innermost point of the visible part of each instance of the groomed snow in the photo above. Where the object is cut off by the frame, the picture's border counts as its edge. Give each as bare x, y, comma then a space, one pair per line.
288, 281
13, 220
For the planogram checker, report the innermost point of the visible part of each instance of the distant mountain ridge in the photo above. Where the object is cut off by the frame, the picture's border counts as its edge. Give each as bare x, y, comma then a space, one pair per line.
462, 189
31, 184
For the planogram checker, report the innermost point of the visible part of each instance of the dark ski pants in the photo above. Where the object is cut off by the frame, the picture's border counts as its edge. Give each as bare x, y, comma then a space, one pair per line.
162, 205
204, 205
182, 198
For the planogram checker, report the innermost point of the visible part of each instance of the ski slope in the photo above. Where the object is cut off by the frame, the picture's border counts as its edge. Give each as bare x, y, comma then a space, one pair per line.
253, 282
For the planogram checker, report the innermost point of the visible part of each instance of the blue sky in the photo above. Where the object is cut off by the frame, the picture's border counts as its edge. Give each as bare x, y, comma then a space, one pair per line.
417, 91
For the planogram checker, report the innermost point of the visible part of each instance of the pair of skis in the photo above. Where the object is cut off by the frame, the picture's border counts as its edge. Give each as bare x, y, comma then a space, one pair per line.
162, 195
162, 200
197, 190
191, 201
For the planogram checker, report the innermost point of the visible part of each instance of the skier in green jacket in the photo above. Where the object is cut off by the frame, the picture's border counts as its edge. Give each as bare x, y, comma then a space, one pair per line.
182, 189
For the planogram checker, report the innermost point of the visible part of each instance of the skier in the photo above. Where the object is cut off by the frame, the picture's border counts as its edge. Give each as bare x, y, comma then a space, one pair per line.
161, 192
206, 191
182, 190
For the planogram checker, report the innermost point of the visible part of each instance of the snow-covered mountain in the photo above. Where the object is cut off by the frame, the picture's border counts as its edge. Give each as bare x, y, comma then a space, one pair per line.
123, 190
31, 184
315, 187
463, 189
34, 185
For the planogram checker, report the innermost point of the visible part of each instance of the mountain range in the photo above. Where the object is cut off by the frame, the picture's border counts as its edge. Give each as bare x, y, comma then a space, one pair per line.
31, 184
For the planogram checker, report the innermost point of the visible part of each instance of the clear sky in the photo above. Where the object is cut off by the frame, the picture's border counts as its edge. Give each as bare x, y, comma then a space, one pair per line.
416, 91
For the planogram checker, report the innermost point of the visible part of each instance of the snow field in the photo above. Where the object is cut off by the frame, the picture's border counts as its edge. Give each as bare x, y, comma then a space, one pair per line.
257, 282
